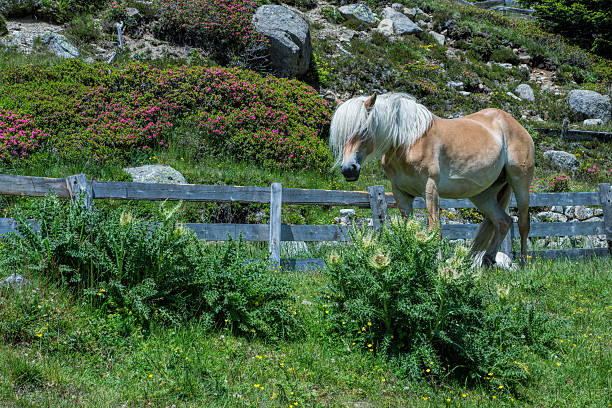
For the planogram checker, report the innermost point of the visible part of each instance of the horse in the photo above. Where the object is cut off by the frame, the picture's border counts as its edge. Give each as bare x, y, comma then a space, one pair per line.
483, 156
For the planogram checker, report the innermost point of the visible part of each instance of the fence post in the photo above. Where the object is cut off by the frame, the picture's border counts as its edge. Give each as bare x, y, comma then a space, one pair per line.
378, 204
276, 199
605, 197
79, 186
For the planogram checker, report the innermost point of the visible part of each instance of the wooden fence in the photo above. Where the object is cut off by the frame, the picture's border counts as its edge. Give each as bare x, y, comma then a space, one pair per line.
275, 232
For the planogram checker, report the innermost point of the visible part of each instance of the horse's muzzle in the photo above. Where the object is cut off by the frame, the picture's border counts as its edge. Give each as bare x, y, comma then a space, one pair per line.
350, 171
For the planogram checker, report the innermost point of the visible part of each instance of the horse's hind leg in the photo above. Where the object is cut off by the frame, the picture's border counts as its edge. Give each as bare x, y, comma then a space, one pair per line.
492, 202
520, 185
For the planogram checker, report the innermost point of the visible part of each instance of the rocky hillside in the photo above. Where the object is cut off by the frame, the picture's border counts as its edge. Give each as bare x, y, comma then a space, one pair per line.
454, 57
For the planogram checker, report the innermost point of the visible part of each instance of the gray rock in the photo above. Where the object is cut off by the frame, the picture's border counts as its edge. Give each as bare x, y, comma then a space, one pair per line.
440, 39
347, 212
18, 8
504, 65
551, 216
592, 122
594, 219
558, 208
579, 212
465, 93
359, 12
155, 173
524, 59
397, 7
524, 68
598, 212
15, 281
589, 105
59, 45
289, 38
458, 85
503, 261
562, 160
410, 12
385, 27
525, 92
401, 24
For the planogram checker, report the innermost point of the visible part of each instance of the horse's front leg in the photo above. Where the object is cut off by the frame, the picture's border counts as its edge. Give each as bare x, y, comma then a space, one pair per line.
404, 201
432, 200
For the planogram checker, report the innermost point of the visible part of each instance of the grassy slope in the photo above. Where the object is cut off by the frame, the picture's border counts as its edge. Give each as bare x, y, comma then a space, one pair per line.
88, 364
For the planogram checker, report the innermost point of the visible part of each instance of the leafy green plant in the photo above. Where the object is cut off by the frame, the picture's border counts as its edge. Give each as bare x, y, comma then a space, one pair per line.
84, 29
392, 293
150, 271
332, 15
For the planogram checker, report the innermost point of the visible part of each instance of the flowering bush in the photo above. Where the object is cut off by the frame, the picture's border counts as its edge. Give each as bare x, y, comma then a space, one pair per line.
220, 25
114, 113
18, 137
391, 293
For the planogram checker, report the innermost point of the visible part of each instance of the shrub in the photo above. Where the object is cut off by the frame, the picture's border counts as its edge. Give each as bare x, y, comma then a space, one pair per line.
504, 54
222, 26
587, 23
150, 270
18, 136
391, 294
114, 114
62, 11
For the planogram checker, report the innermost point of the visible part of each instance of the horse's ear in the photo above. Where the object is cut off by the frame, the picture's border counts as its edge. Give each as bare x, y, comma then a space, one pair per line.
369, 103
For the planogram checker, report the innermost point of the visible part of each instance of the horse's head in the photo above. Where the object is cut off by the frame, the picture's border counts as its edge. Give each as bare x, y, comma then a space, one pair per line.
347, 136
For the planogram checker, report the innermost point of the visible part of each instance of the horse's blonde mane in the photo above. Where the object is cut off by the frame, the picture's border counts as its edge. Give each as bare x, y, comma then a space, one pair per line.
395, 120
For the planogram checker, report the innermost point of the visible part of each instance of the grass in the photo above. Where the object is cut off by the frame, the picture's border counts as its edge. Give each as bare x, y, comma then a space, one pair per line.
85, 360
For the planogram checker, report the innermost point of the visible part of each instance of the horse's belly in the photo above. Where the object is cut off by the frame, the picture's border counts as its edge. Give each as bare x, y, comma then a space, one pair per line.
467, 185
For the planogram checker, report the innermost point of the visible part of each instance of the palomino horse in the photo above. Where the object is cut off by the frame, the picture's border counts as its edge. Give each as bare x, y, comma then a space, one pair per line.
483, 157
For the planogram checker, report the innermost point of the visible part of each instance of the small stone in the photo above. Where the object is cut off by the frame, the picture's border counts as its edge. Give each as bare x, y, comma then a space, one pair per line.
458, 85
465, 93
513, 96
347, 212
306, 302
525, 92
440, 39
359, 12
551, 216
524, 59
503, 261
592, 122
15, 281
524, 68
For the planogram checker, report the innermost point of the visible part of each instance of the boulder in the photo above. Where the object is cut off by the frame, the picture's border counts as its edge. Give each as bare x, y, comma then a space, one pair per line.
401, 24
289, 39
562, 160
59, 45
525, 92
587, 104
18, 8
155, 173
359, 12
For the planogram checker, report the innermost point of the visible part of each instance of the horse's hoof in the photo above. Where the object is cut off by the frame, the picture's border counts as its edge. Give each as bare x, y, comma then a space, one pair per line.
488, 261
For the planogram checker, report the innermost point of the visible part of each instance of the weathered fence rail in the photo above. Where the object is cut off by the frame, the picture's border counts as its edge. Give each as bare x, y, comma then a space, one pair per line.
275, 232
